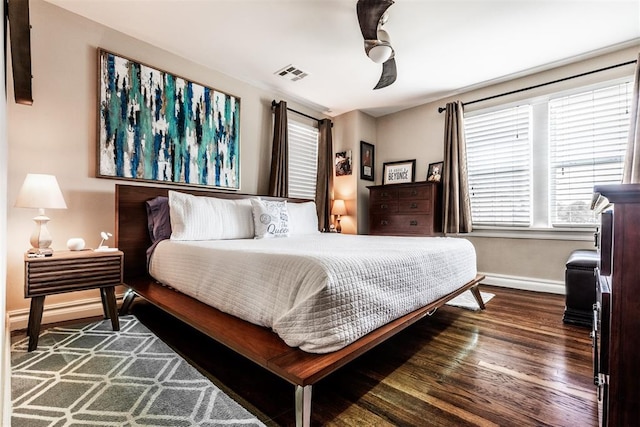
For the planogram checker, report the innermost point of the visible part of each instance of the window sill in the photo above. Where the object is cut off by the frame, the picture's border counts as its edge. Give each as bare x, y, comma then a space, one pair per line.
579, 234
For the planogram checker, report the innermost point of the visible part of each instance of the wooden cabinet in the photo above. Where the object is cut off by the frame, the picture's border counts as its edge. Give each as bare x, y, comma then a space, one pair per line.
405, 209
617, 327
70, 271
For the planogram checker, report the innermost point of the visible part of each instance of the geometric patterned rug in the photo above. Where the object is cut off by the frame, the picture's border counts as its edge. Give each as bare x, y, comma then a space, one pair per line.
89, 375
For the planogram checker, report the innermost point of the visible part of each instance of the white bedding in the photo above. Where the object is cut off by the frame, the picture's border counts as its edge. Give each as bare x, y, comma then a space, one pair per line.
317, 292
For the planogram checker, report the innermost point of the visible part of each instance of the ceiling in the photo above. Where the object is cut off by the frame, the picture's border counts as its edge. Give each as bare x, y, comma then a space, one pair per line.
442, 46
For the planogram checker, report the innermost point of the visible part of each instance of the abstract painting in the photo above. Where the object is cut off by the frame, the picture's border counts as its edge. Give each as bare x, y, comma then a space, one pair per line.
155, 126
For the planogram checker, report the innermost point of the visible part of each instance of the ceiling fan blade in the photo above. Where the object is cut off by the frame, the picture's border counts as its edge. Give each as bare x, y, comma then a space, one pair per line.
389, 74
369, 14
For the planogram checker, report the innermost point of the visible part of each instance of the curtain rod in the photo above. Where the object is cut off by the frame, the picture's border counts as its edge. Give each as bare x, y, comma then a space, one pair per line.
441, 109
273, 104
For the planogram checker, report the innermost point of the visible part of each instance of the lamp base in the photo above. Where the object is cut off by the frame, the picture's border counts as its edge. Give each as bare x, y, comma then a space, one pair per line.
41, 251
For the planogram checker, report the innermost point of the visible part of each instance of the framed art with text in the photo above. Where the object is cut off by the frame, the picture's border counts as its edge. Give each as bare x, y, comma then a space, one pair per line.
367, 161
156, 126
399, 172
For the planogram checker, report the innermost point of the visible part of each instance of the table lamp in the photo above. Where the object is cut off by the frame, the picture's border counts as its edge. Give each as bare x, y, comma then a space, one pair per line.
40, 192
338, 209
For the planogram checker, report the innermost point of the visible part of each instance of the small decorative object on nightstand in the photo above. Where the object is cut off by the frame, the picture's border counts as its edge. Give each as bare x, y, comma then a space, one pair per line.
69, 271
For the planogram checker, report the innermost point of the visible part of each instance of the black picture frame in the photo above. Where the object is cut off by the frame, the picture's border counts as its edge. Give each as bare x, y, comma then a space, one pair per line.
367, 161
434, 172
400, 172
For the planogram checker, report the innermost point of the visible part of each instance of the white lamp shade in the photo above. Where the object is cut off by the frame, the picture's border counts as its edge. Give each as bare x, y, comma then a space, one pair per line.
339, 207
41, 192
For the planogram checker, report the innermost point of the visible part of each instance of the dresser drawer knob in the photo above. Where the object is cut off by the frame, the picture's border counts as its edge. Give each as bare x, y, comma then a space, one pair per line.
414, 192
383, 206
413, 223
384, 222
384, 194
414, 206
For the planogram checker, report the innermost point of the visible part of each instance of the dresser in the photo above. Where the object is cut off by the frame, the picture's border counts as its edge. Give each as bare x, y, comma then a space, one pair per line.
405, 209
616, 326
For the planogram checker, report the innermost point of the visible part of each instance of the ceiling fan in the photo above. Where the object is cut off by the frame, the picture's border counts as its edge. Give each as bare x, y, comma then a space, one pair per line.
372, 15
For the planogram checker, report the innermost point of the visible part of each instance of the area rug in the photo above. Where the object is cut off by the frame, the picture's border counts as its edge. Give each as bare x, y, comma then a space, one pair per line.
88, 375
468, 301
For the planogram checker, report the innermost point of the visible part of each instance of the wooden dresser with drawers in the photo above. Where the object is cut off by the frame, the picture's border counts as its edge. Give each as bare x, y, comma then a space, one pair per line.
405, 209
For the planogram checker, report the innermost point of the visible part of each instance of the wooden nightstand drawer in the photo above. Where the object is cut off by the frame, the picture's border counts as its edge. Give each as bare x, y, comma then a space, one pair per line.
71, 275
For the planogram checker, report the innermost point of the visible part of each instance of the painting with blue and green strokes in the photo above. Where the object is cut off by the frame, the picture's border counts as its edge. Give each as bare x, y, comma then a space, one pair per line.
155, 126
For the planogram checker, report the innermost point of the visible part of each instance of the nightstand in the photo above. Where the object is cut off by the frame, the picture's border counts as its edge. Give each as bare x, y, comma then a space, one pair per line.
69, 271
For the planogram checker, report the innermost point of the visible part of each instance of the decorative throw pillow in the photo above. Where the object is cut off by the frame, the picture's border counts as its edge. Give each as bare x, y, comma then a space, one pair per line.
270, 218
209, 218
303, 218
158, 219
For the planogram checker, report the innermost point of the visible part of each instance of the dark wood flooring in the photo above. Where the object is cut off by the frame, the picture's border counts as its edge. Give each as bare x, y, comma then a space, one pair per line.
514, 364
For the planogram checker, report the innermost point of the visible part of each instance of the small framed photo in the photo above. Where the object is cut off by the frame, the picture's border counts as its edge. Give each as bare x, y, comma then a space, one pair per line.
367, 161
434, 173
399, 172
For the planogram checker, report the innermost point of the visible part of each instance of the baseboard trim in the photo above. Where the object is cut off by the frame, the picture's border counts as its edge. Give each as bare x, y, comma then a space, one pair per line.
61, 312
524, 283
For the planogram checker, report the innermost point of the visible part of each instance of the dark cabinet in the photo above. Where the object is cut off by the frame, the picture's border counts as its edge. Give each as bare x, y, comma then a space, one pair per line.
405, 209
616, 326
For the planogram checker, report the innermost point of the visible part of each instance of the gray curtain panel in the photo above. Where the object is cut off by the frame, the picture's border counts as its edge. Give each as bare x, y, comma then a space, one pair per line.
631, 172
324, 182
456, 203
279, 179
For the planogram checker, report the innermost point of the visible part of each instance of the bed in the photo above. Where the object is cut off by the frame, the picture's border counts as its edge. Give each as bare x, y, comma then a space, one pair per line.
273, 338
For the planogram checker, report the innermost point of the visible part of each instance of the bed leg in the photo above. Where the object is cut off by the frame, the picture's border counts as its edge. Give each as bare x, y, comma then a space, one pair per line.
126, 301
476, 294
303, 406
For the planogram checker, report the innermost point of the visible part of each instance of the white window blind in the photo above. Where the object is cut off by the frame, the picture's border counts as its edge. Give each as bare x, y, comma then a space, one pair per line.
587, 134
303, 159
499, 166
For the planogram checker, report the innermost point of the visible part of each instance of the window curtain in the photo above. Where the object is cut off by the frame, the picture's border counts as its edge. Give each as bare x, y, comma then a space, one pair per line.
279, 179
456, 202
324, 182
631, 171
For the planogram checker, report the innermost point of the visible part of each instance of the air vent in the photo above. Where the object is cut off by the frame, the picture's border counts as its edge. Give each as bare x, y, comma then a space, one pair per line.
292, 73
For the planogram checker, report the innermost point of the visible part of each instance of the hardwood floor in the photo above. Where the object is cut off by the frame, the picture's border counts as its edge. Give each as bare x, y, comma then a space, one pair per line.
515, 363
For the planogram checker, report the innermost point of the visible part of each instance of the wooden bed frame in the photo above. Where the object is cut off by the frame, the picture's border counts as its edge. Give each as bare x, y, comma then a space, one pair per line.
256, 343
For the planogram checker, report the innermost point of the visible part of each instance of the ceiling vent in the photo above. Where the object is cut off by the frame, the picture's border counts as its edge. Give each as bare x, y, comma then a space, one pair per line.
292, 73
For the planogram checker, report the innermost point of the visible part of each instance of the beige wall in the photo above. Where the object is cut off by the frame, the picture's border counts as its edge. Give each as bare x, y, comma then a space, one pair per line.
418, 133
348, 130
57, 135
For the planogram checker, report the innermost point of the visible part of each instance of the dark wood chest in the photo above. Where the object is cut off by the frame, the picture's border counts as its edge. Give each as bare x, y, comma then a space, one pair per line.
405, 209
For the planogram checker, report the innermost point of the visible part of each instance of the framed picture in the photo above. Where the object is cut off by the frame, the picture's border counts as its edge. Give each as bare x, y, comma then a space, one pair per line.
399, 172
367, 161
343, 163
157, 127
434, 173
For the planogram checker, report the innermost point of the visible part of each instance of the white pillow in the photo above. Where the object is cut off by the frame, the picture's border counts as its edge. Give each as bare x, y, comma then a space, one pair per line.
209, 218
303, 218
270, 218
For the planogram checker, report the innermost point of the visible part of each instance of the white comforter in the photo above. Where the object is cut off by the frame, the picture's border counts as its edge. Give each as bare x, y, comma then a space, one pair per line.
317, 292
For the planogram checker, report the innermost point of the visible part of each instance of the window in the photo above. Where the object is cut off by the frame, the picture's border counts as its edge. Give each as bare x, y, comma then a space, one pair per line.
588, 138
499, 165
534, 165
303, 159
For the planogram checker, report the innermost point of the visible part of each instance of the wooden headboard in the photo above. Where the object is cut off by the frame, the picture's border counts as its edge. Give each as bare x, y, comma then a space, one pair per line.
132, 233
